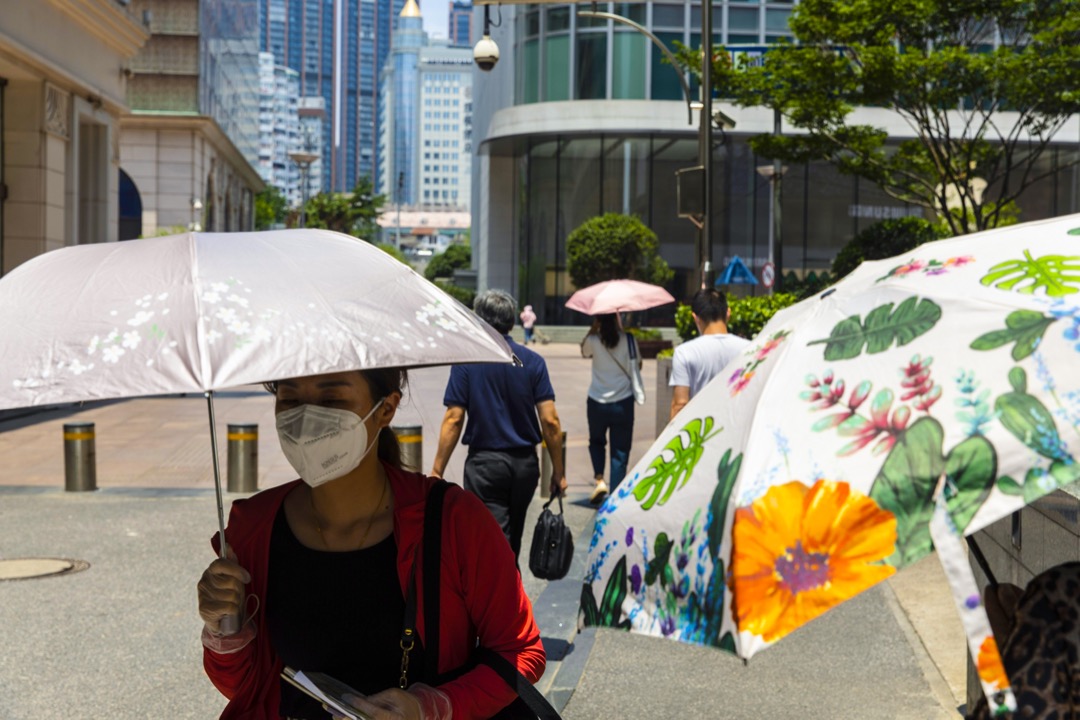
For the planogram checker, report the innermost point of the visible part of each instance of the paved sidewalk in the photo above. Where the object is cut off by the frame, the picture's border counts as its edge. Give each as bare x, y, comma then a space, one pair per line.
119, 640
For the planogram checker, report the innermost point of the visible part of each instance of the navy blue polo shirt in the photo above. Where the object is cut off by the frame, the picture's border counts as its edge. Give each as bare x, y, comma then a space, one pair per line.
500, 400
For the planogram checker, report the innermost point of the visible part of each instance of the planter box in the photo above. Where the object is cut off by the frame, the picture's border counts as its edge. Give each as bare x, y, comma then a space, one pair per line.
663, 394
649, 348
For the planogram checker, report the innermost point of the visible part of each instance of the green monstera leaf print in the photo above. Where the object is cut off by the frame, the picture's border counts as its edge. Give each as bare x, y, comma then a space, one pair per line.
658, 568
666, 476
970, 472
905, 487
1057, 275
883, 326
907, 481
609, 610
1023, 327
1028, 419
726, 474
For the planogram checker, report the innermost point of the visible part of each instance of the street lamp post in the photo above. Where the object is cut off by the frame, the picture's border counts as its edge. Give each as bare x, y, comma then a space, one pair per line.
775, 175
400, 187
304, 160
705, 127
704, 255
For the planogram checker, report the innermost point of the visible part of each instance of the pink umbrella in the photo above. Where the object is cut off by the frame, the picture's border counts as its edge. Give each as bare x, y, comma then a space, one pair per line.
618, 296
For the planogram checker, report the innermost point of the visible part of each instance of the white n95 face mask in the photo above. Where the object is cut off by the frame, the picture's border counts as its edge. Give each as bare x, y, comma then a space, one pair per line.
322, 443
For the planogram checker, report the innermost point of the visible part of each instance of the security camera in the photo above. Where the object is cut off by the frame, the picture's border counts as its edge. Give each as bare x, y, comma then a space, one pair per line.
722, 120
486, 53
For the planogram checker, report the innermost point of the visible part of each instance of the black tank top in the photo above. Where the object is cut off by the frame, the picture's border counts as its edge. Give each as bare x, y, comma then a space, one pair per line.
339, 613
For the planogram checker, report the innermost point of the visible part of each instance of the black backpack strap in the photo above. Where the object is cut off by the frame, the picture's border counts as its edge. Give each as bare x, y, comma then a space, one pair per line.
433, 519
521, 685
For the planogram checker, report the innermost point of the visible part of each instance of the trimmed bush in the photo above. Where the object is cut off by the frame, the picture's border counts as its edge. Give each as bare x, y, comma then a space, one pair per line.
749, 314
613, 247
883, 240
684, 322
462, 295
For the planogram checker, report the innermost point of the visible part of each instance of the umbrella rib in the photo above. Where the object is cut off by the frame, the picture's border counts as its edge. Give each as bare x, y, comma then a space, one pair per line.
203, 346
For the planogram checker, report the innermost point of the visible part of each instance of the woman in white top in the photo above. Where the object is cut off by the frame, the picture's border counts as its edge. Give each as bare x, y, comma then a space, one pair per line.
610, 407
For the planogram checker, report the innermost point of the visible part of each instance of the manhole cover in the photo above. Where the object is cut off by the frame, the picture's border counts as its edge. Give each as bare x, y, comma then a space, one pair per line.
25, 568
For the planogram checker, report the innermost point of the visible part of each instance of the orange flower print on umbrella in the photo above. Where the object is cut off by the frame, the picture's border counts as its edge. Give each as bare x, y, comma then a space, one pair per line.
798, 551
989, 666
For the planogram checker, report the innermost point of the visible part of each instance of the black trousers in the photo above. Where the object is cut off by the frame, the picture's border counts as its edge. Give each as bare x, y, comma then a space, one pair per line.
505, 481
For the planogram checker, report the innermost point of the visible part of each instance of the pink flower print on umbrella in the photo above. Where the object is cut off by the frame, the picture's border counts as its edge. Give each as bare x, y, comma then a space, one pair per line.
917, 384
758, 354
739, 380
927, 267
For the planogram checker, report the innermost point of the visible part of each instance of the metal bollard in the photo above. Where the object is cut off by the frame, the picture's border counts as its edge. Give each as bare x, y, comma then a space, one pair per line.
80, 457
411, 440
546, 469
243, 458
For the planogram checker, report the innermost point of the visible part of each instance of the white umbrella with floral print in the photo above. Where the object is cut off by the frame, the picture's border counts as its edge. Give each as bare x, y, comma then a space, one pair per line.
202, 311
918, 400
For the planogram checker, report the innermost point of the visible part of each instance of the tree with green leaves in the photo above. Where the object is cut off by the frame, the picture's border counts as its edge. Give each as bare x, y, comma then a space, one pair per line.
613, 247
883, 240
271, 208
393, 252
352, 213
445, 263
983, 85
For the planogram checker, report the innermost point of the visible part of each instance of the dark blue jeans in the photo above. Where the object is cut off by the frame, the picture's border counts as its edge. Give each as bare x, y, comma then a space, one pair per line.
616, 419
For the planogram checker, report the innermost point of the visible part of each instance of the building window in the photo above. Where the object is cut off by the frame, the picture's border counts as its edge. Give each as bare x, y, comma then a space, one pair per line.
630, 51
557, 68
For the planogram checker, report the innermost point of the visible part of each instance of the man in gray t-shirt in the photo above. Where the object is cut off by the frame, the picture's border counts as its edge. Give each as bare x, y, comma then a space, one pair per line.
697, 361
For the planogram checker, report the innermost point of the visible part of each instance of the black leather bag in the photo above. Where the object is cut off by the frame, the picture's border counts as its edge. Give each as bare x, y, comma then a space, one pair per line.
552, 545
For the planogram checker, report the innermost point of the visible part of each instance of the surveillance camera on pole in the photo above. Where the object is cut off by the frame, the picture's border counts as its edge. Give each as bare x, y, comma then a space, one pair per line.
486, 53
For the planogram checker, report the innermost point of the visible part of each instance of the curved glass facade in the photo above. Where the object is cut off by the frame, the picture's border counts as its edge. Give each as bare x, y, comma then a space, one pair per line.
555, 172
561, 55
561, 181
229, 85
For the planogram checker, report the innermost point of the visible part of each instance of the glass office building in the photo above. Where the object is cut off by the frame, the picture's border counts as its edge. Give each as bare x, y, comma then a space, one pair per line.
339, 48
229, 71
582, 116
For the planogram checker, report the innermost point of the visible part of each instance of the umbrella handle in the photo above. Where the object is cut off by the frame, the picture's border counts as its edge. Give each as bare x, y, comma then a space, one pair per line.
230, 624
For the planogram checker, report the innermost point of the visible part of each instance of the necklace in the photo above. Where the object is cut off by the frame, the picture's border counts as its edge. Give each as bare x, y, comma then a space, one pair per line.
370, 522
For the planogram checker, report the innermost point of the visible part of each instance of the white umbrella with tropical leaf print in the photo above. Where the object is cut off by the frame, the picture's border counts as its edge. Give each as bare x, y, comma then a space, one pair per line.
918, 400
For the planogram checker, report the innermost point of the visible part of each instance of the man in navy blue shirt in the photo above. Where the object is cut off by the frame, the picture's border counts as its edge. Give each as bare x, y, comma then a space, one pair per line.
502, 403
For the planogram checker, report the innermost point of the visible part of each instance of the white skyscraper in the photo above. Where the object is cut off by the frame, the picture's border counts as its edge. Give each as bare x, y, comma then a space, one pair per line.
279, 126
425, 122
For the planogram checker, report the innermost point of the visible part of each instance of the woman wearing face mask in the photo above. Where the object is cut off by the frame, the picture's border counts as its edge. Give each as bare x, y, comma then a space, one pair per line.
320, 567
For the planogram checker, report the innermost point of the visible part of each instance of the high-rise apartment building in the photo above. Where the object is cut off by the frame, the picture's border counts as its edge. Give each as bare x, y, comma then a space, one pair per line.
425, 121
460, 25
338, 47
279, 126
290, 132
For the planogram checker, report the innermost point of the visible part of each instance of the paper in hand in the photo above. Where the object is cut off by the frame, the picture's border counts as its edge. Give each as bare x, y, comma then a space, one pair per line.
327, 690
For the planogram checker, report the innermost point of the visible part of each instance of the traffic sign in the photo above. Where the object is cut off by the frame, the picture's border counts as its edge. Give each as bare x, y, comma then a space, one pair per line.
768, 274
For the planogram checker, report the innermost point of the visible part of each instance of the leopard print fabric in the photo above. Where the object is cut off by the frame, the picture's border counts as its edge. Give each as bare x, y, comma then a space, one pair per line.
1042, 650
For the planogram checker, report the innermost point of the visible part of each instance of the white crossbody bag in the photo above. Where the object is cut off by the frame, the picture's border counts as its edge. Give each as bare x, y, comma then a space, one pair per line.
634, 373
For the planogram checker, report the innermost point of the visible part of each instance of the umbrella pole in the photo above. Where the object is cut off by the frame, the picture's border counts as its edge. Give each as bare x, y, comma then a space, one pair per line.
217, 471
230, 624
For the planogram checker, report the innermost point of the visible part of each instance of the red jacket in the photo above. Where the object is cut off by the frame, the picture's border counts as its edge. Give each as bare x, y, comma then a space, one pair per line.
481, 599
